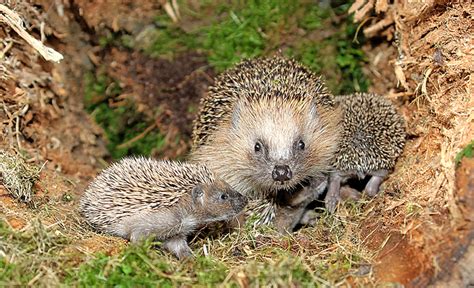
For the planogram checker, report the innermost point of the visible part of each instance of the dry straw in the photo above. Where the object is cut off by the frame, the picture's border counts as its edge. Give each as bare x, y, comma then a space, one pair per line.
17, 177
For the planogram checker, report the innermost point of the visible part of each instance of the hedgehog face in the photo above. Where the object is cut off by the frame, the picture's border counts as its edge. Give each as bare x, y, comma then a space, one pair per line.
276, 137
218, 201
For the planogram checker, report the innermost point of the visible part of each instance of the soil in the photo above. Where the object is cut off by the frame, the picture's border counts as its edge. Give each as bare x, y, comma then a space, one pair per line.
432, 245
172, 87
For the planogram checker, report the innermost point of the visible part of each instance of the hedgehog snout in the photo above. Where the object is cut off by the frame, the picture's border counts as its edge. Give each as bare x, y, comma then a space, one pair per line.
282, 173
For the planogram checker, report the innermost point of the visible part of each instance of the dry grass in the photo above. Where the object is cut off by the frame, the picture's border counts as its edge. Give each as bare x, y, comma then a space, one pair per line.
17, 177
53, 240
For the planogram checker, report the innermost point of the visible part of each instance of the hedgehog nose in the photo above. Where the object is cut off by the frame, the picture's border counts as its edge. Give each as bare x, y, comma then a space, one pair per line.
281, 173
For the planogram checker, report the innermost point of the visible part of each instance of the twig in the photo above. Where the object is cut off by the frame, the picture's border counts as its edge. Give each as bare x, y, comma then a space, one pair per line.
5, 50
17, 131
138, 137
13, 20
171, 12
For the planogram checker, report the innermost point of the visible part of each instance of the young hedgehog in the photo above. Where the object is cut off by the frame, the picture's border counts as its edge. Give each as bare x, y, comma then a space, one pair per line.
373, 137
140, 197
267, 126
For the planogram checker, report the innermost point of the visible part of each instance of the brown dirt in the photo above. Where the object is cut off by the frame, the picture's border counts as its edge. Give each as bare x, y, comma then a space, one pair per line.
171, 87
128, 15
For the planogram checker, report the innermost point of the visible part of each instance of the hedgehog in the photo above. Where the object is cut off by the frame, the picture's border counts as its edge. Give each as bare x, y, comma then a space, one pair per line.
373, 136
138, 197
266, 126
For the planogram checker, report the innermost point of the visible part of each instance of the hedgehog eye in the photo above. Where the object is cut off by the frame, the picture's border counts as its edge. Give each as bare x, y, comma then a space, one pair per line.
224, 196
301, 145
258, 147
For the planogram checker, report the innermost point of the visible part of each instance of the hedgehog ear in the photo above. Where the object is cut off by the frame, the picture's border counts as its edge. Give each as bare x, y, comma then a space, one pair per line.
313, 111
235, 120
198, 194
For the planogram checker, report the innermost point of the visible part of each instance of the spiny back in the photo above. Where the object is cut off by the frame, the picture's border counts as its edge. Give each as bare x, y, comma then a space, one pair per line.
373, 133
135, 184
263, 77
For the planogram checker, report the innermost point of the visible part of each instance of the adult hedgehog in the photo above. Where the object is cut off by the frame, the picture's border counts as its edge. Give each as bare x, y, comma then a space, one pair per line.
267, 125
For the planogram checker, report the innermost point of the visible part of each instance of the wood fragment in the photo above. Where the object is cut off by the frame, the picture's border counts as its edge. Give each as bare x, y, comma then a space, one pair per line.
401, 76
169, 10
361, 13
373, 29
13, 20
425, 81
357, 4
381, 6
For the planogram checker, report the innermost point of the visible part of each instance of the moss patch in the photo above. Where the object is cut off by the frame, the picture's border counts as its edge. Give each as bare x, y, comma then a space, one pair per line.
467, 151
125, 128
260, 28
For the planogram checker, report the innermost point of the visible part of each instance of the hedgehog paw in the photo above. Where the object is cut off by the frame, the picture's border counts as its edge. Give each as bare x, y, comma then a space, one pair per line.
373, 186
179, 247
137, 236
331, 202
310, 217
348, 193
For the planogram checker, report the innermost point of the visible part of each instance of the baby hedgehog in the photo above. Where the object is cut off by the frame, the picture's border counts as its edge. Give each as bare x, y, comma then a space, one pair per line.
140, 197
373, 137
267, 126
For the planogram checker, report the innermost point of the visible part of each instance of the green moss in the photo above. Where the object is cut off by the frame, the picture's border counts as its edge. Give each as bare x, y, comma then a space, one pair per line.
210, 271
245, 30
465, 152
313, 17
168, 40
24, 254
350, 59
10, 274
144, 266
120, 121
336, 57
259, 28
283, 270
136, 266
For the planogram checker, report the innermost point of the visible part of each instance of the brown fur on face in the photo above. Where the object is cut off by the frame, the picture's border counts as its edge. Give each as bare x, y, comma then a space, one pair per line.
278, 125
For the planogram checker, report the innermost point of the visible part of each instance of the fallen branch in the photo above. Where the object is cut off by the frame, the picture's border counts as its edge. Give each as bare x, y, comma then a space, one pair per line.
136, 138
13, 20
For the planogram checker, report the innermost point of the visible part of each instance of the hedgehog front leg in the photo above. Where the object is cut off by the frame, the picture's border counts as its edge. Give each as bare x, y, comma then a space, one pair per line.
333, 195
178, 246
294, 209
372, 187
